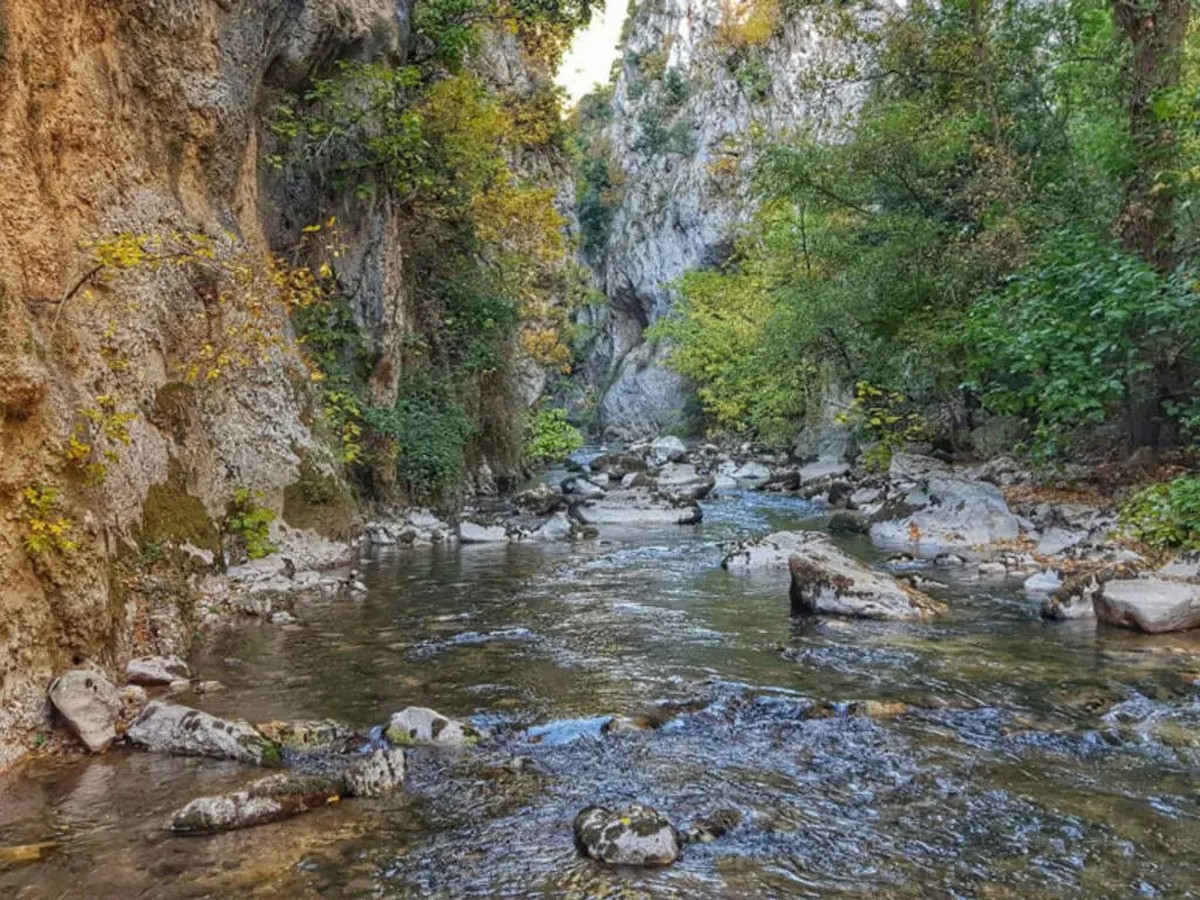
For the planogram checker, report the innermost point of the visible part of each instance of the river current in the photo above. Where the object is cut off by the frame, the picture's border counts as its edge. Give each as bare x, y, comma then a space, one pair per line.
1029, 759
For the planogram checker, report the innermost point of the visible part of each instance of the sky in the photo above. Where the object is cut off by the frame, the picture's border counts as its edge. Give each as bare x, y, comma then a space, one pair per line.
591, 56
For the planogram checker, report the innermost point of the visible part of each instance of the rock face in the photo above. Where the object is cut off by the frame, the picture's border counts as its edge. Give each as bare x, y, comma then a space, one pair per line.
1153, 605
636, 836
826, 581
155, 118
681, 110
90, 705
180, 730
421, 725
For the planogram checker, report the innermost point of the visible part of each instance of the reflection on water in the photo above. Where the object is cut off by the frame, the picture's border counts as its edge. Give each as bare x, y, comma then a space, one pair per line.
1038, 761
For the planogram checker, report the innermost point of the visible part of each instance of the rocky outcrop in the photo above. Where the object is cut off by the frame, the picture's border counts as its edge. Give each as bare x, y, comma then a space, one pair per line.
636, 836
826, 581
689, 93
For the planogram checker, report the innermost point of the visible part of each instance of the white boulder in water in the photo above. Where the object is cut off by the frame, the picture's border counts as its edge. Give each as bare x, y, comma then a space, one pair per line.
422, 725
636, 836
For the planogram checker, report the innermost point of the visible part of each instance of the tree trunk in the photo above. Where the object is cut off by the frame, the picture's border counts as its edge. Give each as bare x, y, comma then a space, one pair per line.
1156, 30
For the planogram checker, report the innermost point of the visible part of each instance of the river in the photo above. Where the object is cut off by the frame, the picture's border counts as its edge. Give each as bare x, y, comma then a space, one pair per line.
1033, 760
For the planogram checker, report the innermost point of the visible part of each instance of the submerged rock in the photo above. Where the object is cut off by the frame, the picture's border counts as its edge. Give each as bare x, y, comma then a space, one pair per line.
826, 581
90, 705
1153, 605
636, 836
716, 825
166, 727
153, 671
421, 725
278, 797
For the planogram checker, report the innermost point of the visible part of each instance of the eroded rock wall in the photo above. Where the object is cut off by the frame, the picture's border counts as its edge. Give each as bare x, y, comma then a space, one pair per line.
142, 116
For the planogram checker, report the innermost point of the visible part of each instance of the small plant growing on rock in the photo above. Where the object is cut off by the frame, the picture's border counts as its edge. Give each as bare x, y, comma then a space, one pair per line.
1164, 516
46, 529
886, 419
250, 521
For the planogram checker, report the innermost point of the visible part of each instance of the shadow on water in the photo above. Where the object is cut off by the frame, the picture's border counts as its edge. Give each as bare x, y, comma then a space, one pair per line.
1030, 760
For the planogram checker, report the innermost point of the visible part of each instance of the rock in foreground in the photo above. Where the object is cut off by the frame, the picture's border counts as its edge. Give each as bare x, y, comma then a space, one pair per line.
1153, 605
637, 836
826, 581
170, 728
280, 797
90, 705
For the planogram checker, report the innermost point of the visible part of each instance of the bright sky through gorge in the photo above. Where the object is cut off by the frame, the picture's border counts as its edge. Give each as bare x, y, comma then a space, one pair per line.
591, 56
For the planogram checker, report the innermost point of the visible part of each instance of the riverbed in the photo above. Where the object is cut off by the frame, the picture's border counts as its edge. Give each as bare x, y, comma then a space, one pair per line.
1012, 757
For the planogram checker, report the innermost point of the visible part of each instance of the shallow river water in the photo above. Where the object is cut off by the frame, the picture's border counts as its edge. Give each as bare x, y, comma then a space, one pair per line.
1038, 760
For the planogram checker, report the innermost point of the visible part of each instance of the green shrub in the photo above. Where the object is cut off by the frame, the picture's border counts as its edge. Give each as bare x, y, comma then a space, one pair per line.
426, 431
1165, 516
1078, 335
549, 437
247, 519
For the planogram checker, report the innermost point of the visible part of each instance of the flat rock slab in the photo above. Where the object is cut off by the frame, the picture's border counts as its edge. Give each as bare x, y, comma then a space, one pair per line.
826, 581
769, 553
90, 705
1152, 605
171, 728
152, 671
637, 513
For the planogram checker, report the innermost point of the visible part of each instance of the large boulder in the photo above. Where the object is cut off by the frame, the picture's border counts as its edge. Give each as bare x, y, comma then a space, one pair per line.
1153, 605
636, 836
683, 481
769, 553
90, 705
826, 581
166, 727
751, 474
667, 449
421, 725
151, 671
540, 500
948, 512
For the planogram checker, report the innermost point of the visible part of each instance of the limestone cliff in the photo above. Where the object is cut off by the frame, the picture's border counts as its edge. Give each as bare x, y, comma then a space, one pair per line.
701, 84
133, 408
